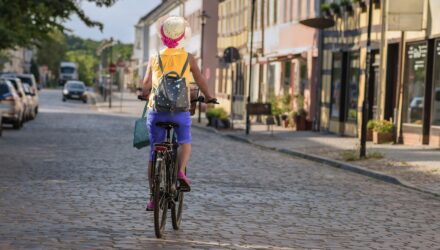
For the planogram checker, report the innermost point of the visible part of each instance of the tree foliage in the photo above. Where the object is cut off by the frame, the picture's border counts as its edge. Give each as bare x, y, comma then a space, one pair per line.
27, 22
87, 65
52, 51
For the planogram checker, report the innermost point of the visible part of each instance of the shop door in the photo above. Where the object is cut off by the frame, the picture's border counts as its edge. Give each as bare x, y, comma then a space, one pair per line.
391, 81
373, 86
238, 92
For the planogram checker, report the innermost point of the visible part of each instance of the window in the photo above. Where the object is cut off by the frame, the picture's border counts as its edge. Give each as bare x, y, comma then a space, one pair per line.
271, 80
353, 87
336, 85
287, 68
436, 100
414, 85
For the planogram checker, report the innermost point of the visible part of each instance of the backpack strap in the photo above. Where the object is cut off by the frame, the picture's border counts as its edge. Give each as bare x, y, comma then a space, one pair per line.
185, 65
160, 62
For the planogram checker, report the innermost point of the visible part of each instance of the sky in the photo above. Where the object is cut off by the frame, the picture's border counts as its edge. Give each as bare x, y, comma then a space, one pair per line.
118, 20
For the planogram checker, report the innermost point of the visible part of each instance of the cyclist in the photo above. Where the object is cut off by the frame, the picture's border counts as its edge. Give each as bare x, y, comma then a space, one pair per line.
173, 32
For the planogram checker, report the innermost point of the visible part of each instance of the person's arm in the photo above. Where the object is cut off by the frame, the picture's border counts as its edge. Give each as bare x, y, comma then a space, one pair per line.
199, 78
148, 80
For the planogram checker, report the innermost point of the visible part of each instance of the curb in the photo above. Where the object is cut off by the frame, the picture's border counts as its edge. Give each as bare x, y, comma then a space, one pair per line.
325, 161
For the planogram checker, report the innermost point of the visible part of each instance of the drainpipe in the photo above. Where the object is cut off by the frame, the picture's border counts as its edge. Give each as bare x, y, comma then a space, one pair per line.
317, 120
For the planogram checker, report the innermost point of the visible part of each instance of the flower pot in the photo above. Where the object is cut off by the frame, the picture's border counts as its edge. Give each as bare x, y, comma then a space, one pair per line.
369, 134
300, 122
286, 123
278, 120
327, 14
226, 123
210, 123
379, 138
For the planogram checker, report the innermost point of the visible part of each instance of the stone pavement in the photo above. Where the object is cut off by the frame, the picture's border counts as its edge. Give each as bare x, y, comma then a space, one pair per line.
71, 180
419, 166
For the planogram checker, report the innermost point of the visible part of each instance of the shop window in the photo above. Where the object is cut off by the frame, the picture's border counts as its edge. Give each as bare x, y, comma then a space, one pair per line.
436, 101
286, 78
336, 85
352, 87
415, 76
271, 80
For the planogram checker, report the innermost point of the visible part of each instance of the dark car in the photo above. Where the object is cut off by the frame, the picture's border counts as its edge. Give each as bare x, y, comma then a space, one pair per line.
75, 90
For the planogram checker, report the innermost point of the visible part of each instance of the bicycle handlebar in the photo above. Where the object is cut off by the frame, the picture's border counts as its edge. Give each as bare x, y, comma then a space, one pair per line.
199, 99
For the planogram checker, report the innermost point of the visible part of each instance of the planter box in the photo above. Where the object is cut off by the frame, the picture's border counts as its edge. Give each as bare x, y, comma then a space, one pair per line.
300, 122
379, 138
369, 135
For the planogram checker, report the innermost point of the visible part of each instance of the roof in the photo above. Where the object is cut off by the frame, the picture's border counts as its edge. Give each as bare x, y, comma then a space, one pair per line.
159, 9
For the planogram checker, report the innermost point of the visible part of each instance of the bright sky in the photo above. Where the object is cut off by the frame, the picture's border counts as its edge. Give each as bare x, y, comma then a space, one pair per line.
118, 20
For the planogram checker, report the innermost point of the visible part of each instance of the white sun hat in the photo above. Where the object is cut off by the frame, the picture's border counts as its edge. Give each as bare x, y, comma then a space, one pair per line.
174, 31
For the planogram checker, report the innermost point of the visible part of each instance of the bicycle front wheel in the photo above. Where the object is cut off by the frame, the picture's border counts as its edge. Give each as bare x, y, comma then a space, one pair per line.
159, 197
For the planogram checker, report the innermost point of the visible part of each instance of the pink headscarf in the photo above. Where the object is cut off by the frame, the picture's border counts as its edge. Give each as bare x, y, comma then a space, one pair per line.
170, 42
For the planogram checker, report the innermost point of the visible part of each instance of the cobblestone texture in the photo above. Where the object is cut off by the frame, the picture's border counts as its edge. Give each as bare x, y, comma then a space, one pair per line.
70, 179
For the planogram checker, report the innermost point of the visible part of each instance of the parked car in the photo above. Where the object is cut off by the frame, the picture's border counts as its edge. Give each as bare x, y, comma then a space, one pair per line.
32, 102
29, 111
1, 123
29, 79
11, 106
75, 90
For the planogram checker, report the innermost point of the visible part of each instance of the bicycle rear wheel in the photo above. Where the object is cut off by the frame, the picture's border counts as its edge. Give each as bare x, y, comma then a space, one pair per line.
176, 211
177, 207
159, 197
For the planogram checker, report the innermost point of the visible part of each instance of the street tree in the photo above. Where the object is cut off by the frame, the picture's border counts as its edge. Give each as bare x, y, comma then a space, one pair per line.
27, 22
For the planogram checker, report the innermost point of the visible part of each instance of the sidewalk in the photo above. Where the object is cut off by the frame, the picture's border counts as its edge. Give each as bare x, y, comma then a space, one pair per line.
412, 166
130, 105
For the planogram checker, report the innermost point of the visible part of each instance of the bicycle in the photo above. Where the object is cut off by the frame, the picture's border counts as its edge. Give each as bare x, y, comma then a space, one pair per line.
166, 189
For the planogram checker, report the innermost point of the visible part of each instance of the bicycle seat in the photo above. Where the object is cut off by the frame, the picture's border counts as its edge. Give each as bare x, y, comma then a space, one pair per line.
167, 125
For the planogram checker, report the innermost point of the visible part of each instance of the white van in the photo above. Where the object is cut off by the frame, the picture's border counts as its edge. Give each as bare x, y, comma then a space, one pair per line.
68, 71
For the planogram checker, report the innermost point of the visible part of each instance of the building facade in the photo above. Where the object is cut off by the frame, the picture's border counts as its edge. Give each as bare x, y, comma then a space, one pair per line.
409, 96
283, 57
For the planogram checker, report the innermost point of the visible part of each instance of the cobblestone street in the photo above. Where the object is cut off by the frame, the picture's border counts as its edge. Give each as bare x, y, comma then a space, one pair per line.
72, 180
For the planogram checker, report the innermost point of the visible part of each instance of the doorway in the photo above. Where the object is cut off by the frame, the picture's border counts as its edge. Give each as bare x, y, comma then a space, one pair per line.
391, 81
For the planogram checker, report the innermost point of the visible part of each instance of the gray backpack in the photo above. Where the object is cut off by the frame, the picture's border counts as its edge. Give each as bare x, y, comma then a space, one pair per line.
172, 93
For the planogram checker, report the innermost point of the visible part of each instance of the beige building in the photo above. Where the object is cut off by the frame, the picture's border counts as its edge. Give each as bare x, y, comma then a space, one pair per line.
411, 99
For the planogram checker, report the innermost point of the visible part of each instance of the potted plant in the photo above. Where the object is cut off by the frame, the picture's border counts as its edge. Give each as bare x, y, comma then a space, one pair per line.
361, 4
347, 7
383, 132
335, 9
325, 9
224, 118
286, 102
300, 114
370, 127
276, 110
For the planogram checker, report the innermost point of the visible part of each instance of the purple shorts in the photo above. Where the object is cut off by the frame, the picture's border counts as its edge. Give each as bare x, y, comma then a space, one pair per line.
157, 134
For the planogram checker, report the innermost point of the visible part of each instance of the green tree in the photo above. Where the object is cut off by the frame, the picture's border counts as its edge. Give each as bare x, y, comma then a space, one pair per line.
28, 22
87, 65
52, 51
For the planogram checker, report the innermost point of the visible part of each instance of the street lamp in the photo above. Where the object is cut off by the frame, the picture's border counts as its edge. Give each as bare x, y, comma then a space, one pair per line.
203, 18
363, 142
248, 119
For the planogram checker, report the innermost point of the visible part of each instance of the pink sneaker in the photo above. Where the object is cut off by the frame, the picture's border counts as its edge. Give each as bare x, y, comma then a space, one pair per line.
150, 205
184, 181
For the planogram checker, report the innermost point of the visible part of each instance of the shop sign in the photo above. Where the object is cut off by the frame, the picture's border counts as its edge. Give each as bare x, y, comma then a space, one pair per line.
418, 54
406, 15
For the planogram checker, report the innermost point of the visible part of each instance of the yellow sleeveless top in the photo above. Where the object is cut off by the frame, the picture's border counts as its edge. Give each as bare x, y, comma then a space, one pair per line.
172, 60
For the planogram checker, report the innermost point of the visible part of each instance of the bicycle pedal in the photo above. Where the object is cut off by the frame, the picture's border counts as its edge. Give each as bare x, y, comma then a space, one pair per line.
185, 189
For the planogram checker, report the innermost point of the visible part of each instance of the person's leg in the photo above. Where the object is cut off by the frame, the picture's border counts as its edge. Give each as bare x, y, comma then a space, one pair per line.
157, 135
184, 155
184, 140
